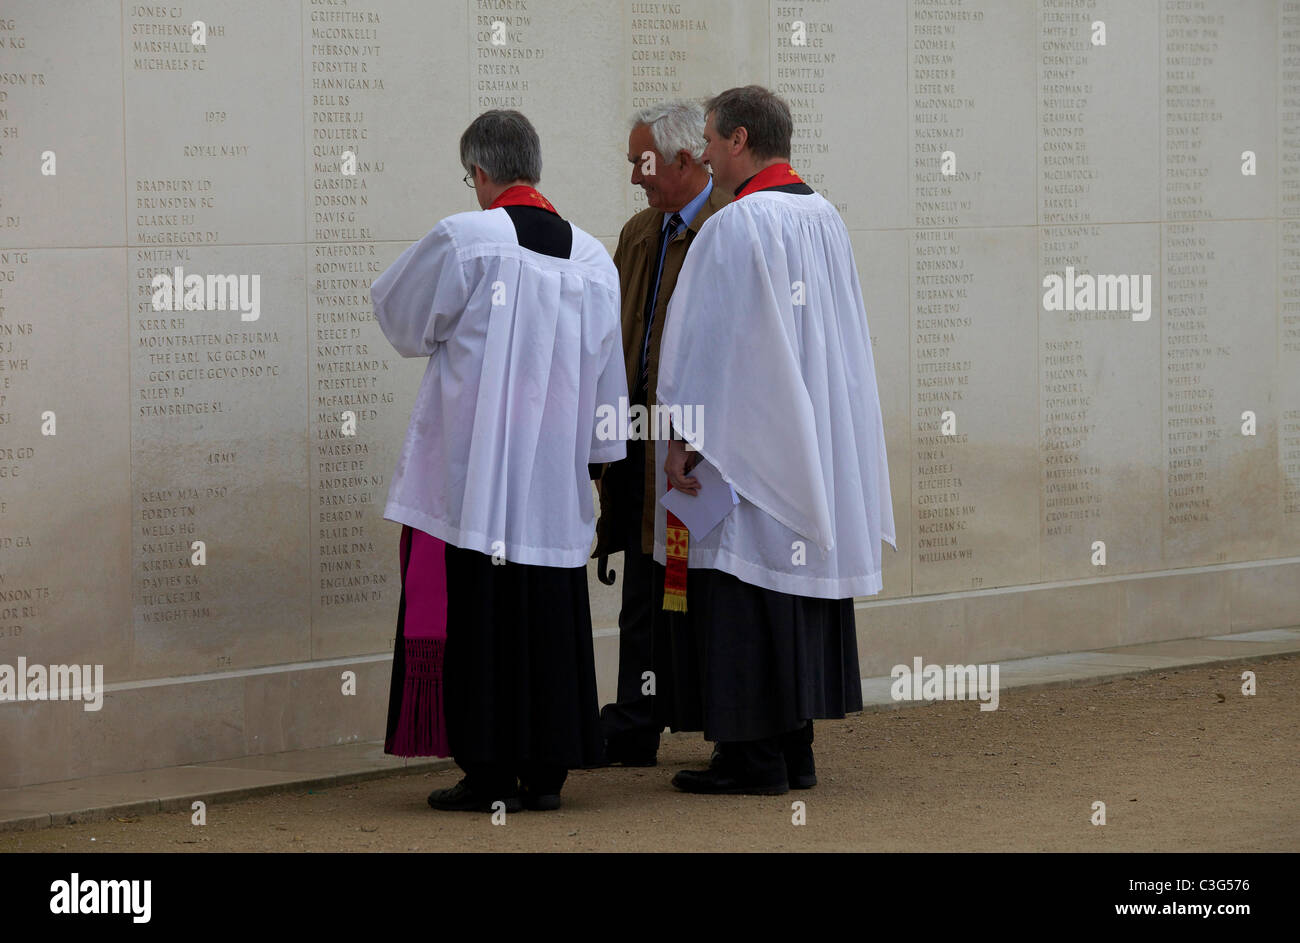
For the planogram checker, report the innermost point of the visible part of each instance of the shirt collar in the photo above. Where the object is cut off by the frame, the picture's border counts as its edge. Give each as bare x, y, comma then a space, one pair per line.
692, 209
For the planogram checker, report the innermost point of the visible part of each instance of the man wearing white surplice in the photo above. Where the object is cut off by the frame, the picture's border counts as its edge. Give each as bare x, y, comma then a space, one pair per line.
767, 339
518, 312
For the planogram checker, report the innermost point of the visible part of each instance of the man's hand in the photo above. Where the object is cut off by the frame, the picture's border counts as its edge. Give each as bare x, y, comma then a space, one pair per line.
679, 463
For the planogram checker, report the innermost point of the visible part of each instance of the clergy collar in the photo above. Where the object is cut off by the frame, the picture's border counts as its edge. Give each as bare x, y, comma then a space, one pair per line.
773, 177
523, 195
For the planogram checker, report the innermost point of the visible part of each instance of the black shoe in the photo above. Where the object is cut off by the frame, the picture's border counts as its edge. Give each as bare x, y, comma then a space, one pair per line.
722, 782
539, 802
460, 798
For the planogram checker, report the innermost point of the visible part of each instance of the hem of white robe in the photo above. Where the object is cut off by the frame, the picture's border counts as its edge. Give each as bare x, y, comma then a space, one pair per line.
844, 587
569, 557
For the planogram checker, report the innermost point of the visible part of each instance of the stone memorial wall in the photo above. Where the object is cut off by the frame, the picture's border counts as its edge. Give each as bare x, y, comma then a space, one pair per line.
1091, 469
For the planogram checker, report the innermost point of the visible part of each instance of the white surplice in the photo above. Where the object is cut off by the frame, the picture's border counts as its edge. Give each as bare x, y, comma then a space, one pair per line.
504, 424
789, 411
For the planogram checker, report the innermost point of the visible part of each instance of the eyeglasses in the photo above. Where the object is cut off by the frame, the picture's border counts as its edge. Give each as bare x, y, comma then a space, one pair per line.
468, 179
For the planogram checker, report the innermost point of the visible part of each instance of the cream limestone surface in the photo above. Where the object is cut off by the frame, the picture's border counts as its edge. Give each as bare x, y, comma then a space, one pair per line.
290, 156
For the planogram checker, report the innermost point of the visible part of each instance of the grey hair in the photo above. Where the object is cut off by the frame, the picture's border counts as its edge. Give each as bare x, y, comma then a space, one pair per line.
674, 126
504, 145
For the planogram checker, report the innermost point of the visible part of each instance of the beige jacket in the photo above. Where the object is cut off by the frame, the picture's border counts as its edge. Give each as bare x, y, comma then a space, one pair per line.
635, 260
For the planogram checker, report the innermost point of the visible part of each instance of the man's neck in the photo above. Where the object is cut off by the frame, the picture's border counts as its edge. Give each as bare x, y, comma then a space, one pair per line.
696, 188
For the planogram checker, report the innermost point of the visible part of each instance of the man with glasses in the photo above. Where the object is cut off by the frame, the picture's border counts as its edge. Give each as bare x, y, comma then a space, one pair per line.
517, 311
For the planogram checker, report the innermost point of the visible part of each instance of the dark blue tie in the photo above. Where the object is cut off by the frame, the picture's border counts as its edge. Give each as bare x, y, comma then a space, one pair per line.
666, 235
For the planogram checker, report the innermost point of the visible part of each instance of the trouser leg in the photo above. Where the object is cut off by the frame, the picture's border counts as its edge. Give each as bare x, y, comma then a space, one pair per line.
798, 740
490, 779
542, 779
787, 756
633, 714
757, 761
630, 720
796, 746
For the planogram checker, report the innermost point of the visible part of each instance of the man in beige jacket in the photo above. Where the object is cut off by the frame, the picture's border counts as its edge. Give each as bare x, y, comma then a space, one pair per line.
664, 149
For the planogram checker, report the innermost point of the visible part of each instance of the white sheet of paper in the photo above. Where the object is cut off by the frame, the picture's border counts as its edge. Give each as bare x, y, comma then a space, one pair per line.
704, 511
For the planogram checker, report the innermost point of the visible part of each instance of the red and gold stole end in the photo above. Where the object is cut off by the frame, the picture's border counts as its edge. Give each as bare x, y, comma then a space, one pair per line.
676, 546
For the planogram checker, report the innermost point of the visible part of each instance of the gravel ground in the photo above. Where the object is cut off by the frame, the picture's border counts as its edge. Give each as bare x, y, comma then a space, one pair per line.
1182, 759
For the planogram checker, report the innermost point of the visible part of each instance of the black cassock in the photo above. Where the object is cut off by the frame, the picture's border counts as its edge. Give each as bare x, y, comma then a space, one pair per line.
520, 673
520, 677
747, 663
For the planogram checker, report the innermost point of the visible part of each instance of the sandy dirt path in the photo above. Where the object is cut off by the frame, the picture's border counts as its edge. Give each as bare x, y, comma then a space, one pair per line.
1183, 761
